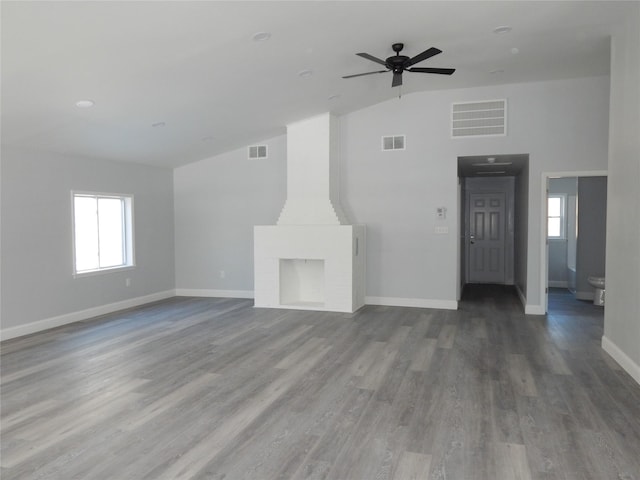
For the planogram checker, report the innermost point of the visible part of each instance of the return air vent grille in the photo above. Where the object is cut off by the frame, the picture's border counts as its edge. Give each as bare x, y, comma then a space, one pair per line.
395, 142
257, 151
477, 119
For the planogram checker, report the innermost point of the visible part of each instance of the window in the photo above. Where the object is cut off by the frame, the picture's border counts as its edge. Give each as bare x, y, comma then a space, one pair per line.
556, 216
103, 232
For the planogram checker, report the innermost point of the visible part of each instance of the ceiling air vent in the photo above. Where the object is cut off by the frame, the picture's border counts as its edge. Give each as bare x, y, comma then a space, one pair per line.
257, 151
395, 142
479, 119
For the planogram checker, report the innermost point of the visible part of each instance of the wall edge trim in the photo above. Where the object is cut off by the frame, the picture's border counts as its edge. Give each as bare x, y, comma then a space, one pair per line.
205, 292
77, 316
412, 302
631, 367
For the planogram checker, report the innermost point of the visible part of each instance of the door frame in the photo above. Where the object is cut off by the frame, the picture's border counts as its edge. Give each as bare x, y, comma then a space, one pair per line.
544, 244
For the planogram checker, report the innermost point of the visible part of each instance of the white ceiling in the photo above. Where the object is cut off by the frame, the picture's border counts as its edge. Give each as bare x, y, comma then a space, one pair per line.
195, 67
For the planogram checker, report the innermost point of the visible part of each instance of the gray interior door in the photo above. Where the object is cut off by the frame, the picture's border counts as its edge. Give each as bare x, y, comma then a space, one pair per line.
486, 238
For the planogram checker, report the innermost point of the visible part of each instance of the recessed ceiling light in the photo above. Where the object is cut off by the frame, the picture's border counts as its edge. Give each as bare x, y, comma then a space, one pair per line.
515, 50
305, 73
491, 159
502, 29
261, 36
334, 97
499, 70
158, 124
85, 103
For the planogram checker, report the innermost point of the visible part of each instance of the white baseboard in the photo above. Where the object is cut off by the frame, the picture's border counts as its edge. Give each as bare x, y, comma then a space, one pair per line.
529, 309
412, 302
558, 284
203, 292
631, 367
47, 323
534, 310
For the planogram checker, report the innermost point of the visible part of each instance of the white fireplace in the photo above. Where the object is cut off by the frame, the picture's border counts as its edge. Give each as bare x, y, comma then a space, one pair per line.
312, 258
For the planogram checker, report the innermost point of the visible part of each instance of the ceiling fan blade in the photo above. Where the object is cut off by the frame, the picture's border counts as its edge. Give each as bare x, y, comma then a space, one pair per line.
361, 74
397, 79
372, 58
423, 56
441, 71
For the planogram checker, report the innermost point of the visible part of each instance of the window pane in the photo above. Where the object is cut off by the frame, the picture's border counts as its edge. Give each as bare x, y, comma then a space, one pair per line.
86, 233
554, 227
110, 226
554, 207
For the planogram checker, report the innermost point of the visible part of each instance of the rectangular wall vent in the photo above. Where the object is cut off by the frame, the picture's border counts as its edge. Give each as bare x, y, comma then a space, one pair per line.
477, 119
257, 151
395, 142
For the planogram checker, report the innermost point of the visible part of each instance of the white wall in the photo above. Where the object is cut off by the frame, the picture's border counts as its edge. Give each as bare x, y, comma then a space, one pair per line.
38, 287
562, 125
217, 203
622, 310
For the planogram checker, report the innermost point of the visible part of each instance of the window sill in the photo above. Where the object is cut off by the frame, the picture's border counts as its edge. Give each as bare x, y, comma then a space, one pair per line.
91, 273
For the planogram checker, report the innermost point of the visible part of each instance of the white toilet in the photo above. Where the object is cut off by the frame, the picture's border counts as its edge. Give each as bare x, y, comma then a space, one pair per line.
598, 284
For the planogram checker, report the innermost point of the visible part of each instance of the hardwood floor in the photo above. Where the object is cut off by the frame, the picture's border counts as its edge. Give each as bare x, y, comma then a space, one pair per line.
216, 389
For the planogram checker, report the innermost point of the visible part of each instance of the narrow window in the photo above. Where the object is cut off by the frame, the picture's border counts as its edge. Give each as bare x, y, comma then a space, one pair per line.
556, 216
103, 232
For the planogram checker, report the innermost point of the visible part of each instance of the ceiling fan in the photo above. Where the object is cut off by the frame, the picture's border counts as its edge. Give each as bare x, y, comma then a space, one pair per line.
401, 63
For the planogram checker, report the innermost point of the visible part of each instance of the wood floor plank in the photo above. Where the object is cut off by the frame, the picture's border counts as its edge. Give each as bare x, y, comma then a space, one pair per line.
204, 388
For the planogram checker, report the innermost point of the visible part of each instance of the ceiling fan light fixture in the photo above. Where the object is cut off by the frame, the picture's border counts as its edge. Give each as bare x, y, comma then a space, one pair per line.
502, 29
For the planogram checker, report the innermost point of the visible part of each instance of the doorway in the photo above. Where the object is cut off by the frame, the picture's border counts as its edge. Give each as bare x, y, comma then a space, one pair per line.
493, 213
573, 234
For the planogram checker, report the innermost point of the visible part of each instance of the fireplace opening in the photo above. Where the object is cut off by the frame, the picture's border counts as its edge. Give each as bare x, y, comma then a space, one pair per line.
302, 282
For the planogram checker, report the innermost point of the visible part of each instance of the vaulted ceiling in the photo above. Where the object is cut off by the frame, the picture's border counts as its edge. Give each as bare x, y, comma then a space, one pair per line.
175, 82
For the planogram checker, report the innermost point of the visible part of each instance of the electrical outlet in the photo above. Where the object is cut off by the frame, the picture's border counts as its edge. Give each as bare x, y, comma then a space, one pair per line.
442, 230
223, 274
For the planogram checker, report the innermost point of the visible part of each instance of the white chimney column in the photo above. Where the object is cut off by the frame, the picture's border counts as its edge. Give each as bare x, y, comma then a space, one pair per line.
313, 166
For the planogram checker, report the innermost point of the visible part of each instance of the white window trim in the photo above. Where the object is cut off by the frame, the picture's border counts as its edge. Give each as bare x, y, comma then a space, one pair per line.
129, 246
563, 216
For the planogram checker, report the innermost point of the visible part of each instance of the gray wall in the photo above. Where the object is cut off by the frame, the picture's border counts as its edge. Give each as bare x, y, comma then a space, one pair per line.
521, 232
395, 194
217, 203
622, 310
37, 269
592, 221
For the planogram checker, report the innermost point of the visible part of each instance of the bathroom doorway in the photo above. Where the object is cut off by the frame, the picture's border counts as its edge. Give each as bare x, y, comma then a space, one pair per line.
573, 234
